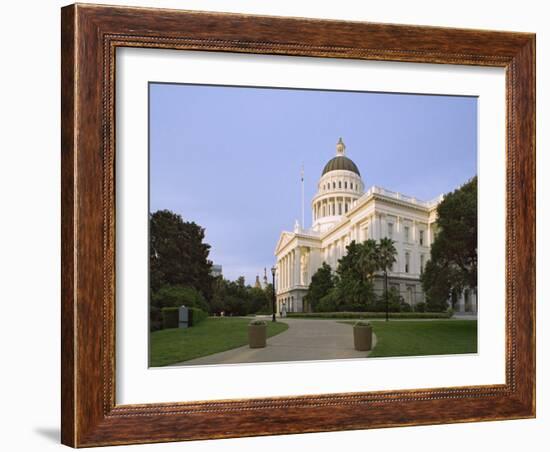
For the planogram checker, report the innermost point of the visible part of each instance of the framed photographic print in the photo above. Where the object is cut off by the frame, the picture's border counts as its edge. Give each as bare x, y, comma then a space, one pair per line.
280, 225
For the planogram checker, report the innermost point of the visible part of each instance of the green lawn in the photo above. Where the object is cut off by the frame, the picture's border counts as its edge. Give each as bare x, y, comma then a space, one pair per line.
431, 337
215, 334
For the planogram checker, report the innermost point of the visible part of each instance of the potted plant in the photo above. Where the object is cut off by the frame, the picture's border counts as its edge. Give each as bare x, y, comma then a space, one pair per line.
257, 333
362, 335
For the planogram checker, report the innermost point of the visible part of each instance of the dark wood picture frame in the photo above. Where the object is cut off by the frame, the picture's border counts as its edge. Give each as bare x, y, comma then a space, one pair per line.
90, 35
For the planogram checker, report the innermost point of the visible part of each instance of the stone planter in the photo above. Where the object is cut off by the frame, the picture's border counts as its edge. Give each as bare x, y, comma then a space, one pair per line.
257, 334
362, 337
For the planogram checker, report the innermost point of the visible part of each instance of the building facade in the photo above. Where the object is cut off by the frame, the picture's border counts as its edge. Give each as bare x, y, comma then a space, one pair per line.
342, 211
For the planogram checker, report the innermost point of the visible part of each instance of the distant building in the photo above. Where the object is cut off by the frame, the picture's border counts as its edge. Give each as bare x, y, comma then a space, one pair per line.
342, 212
216, 270
258, 284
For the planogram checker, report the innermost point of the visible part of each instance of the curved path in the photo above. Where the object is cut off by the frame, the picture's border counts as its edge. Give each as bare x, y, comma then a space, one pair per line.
304, 340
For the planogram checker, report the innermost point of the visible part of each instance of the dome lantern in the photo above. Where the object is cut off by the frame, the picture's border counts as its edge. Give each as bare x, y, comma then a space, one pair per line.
340, 147
341, 162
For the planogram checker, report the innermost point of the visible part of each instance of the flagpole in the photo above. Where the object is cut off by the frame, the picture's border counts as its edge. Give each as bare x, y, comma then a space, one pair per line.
303, 211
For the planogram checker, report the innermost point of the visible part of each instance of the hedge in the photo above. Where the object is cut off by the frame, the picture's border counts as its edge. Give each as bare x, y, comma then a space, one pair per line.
170, 317
370, 315
196, 316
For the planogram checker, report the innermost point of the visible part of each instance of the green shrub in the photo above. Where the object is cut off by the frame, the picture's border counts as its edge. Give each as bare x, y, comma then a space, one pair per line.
176, 296
395, 302
329, 302
155, 319
436, 305
420, 307
170, 317
196, 316
369, 315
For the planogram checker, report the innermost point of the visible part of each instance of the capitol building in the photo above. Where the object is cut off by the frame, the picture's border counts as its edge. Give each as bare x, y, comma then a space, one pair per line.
343, 211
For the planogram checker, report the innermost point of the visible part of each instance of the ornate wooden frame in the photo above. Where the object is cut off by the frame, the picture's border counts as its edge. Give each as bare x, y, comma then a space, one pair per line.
90, 35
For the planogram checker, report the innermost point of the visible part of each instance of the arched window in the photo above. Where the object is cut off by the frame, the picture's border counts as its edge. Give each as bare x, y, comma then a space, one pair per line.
407, 262
339, 184
334, 185
346, 185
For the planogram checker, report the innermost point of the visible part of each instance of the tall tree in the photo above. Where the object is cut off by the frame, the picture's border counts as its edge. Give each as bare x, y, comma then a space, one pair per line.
453, 263
386, 258
177, 253
368, 259
322, 282
353, 285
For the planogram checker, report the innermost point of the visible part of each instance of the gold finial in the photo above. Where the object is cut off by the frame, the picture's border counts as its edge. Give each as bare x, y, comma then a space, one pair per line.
340, 147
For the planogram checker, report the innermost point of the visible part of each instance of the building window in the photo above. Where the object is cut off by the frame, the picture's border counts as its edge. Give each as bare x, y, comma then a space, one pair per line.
390, 230
407, 262
421, 238
346, 185
339, 208
406, 233
346, 207
421, 263
334, 185
339, 184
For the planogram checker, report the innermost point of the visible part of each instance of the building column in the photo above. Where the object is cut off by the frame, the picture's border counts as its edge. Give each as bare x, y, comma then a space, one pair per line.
289, 266
292, 281
297, 265
285, 272
281, 273
309, 266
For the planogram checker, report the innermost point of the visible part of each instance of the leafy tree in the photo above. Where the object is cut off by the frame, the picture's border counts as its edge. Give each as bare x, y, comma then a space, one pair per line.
322, 282
453, 263
237, 298
177, 253
392, 302
386, 257
218, 295
330, 302
349, 263
354, 285
257, 299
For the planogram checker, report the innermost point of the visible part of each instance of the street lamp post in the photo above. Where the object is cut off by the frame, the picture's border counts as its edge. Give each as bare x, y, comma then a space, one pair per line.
273, 269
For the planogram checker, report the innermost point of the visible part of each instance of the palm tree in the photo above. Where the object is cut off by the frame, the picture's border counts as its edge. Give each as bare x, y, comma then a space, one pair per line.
368, 259
386, 257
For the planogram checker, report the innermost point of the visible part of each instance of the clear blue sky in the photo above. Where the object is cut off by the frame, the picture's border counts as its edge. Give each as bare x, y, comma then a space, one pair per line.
229, 158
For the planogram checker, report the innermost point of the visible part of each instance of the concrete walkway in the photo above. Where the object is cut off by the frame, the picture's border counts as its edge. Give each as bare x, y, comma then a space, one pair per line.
304, 340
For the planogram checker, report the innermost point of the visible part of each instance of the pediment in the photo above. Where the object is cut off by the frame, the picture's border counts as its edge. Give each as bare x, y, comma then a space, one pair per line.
284, 238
